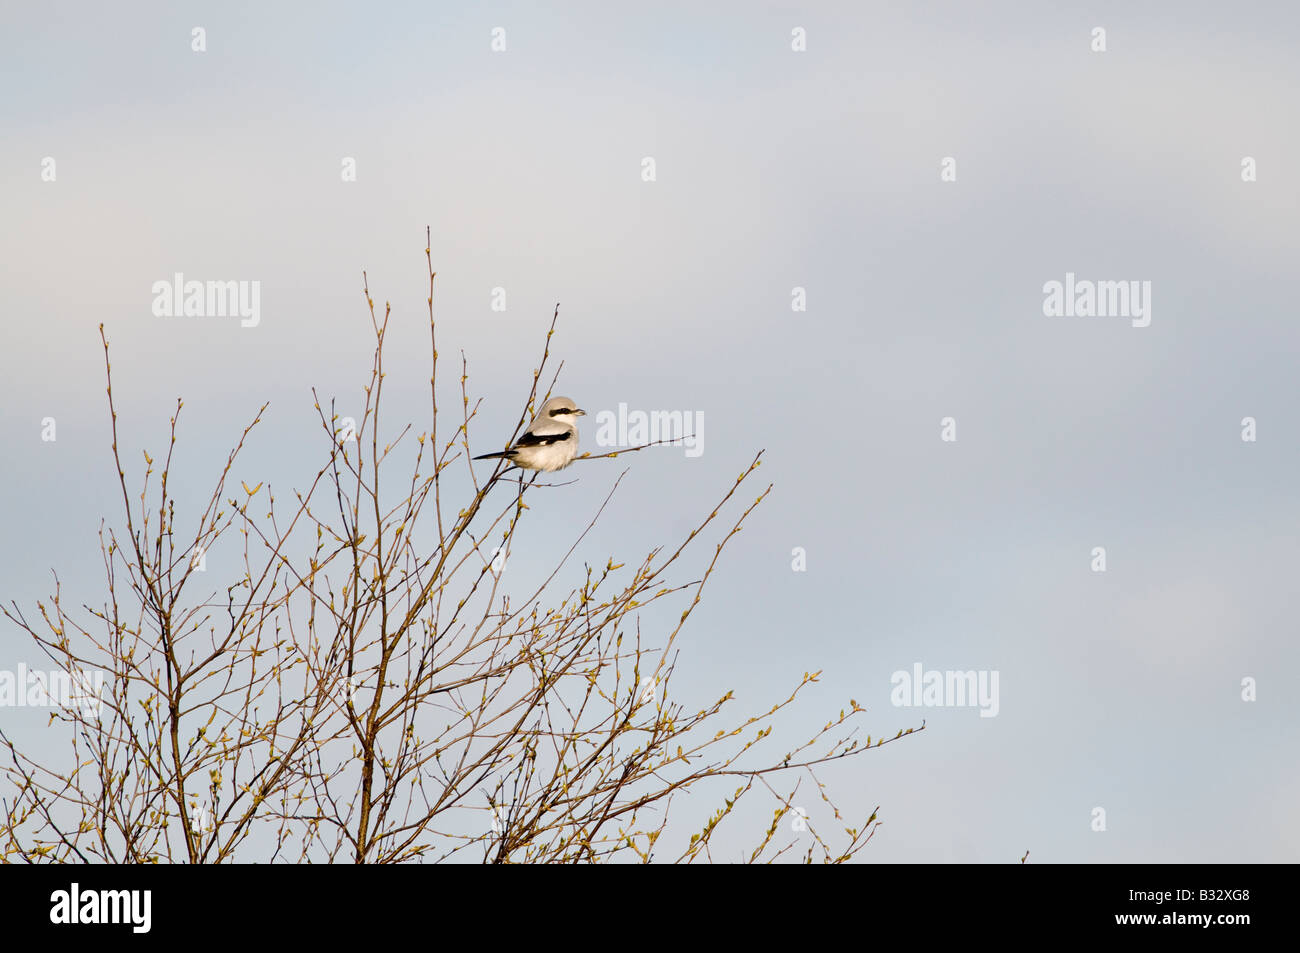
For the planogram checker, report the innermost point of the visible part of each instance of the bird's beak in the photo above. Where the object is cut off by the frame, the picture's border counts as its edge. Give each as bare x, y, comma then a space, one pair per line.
580, 413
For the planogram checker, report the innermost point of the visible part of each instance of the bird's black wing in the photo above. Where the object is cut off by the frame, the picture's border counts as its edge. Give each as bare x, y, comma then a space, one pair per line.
531, 439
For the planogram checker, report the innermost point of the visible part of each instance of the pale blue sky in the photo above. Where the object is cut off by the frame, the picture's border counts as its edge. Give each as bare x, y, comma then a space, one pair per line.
775, 169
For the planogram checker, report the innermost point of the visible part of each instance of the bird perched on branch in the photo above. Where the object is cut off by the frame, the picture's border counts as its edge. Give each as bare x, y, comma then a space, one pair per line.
551, 440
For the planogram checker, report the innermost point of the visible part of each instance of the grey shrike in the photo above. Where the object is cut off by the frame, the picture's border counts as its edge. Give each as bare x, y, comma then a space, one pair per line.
551, 440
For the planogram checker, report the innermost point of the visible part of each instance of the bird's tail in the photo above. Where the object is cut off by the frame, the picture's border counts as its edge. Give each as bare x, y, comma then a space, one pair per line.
491, 456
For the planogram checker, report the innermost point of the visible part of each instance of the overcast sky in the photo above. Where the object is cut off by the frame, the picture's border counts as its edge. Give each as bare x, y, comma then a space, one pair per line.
774, 169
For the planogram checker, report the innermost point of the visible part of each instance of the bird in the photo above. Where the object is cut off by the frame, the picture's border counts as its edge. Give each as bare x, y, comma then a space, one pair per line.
551, 440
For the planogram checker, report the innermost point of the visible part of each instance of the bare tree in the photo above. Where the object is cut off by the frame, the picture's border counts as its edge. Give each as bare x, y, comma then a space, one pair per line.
351, 696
